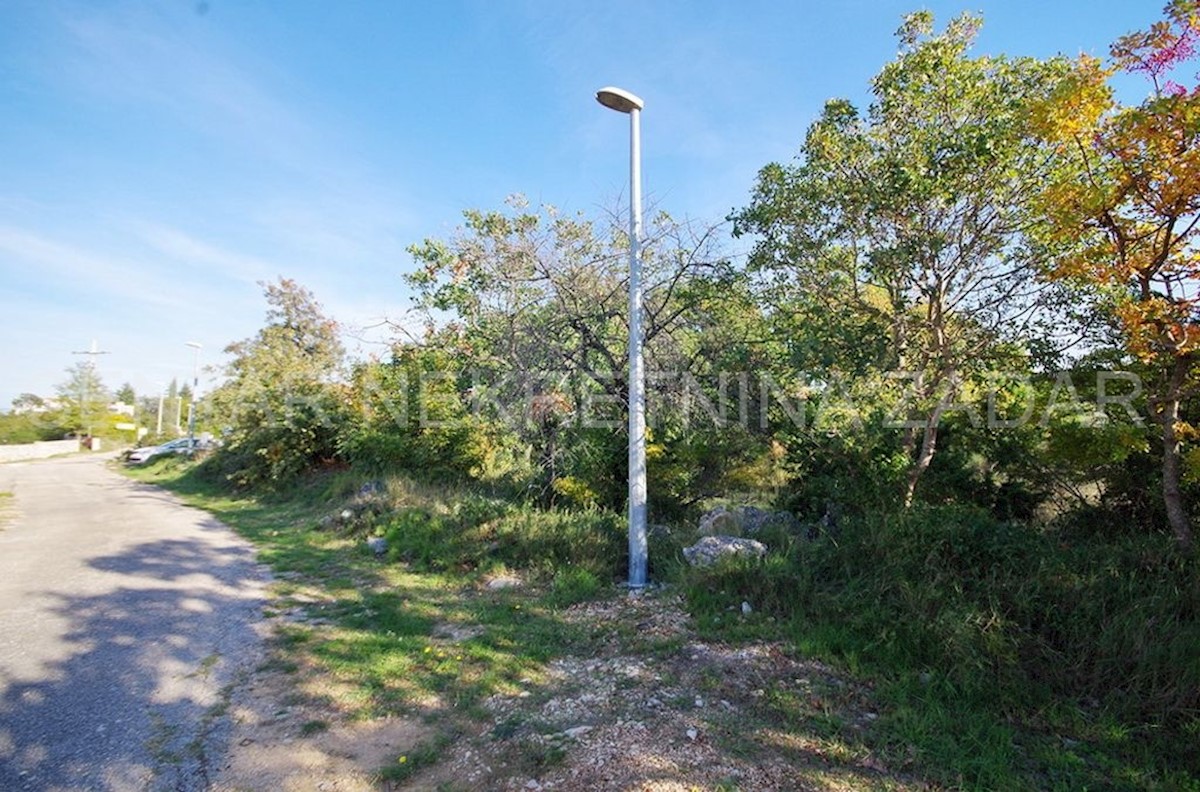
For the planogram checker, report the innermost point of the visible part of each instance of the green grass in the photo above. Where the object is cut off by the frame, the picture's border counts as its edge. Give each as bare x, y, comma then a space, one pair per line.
1001, 657
995, 658
386, 615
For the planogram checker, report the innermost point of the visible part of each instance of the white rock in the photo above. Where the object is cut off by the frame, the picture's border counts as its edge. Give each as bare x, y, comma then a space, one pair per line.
711, 549
692, 734
746, 608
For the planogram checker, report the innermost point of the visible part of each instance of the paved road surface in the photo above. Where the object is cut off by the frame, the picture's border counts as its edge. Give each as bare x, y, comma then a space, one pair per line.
124, 617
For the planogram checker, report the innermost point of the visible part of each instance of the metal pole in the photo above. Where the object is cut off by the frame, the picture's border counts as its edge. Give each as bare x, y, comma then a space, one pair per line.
637, 374
192, 403
195, 388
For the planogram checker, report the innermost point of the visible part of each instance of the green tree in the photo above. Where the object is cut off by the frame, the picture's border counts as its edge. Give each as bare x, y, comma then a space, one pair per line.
898, 243
83, 398
28, 402
281, 402
532, 306
126, 394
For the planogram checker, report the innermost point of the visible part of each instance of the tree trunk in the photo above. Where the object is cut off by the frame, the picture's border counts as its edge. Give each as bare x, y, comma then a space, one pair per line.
1168, 416
921, 464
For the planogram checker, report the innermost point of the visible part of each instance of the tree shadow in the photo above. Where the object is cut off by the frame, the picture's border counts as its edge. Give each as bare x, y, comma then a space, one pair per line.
145, 673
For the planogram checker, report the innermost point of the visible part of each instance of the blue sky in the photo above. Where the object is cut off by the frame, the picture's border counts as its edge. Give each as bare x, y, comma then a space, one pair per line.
159, 158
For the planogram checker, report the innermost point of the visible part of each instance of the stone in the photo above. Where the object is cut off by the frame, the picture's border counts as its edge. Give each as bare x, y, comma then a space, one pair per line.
711, 549
743, 521
692, 734
753, 520
747, 609
720, 522
377, 544
504, 582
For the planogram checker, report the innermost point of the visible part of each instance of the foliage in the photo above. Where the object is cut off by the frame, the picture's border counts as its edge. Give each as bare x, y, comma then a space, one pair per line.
83, 398
529, 310
126, 394
898, 243
912, 279
991, 615
1128, 228
413, 414
280, 405
477, 534
30, 427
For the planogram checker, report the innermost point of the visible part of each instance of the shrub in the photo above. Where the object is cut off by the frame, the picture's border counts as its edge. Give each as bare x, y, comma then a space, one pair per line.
1006, 612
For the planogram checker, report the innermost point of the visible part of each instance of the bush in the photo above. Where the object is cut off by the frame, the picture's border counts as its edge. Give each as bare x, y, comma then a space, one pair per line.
1008, 614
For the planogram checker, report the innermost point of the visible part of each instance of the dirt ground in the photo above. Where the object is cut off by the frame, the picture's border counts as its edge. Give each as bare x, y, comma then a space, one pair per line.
287, 737
651, 708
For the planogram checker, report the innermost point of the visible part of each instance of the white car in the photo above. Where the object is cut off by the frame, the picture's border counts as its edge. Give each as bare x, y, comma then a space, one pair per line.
183, 445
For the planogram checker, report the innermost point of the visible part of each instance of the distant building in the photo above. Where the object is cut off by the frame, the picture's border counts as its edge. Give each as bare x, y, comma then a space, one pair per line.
121, 408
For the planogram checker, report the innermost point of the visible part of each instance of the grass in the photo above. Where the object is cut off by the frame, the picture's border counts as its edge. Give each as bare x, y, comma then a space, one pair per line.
938, 620
384, 618
1001, 657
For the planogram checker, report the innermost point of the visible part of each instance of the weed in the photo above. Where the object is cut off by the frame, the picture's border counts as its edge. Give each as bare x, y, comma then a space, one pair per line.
422, 756
975, 628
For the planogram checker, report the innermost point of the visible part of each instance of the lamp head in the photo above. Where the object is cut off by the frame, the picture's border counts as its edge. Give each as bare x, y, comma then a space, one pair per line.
620, 100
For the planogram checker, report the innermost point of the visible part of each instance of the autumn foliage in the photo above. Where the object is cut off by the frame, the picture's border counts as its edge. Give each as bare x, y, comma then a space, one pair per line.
1123, 210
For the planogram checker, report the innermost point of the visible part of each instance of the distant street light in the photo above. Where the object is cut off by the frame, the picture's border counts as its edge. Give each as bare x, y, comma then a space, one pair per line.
625, 102
195, 391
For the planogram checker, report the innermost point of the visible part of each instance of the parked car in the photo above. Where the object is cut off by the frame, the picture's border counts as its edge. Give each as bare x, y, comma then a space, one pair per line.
183, 445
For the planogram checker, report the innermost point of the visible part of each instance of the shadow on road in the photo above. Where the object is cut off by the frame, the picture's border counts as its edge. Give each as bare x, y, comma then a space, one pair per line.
136, 702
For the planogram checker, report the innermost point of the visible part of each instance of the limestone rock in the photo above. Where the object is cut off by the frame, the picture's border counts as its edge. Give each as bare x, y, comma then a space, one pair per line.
711, 549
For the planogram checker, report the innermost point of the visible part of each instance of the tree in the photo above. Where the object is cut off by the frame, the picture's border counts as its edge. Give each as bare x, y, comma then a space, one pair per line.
126, 394
84, 398
280, 404
28, 402
1129, 226
533, 306
898, 243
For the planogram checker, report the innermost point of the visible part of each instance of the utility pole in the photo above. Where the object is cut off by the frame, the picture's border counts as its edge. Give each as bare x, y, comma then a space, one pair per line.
86, 391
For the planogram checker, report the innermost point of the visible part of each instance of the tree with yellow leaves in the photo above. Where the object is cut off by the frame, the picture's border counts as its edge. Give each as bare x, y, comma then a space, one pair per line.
1125, 212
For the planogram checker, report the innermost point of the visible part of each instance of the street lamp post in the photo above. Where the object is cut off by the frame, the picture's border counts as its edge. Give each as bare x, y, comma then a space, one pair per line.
625, 102
195, 390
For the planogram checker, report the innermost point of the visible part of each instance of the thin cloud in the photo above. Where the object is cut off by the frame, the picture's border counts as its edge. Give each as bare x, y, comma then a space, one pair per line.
81, 270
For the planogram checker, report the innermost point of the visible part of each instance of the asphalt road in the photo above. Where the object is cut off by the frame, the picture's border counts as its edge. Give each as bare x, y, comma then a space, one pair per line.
125, 618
